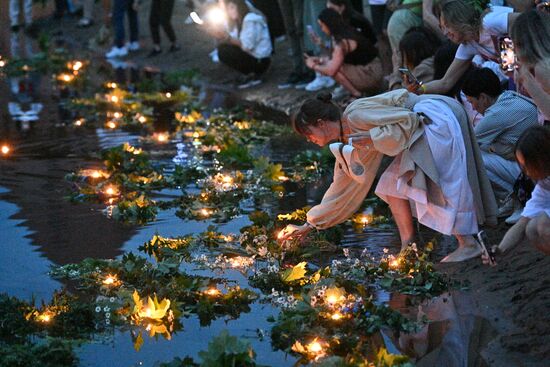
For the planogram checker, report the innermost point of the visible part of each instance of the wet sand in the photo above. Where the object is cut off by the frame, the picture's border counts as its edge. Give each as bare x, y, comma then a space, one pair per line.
514, 296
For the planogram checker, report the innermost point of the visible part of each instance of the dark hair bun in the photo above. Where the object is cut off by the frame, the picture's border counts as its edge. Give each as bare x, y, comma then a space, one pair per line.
324, 97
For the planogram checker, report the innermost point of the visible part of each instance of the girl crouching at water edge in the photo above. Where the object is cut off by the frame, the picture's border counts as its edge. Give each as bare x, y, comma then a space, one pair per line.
533, 155
437, 174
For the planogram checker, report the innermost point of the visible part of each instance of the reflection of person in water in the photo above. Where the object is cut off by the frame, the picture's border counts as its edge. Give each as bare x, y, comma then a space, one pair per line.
24, 107
437, 174
533, 155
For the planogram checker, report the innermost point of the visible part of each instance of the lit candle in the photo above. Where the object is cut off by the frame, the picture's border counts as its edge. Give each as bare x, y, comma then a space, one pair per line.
45, 316
316, 349
142, 119
394, 264
336, 316
110, 280
111, 191
205, 212
5, 149
161, 137
65, 78
111, 85
113, 99
2, 63
117, 115
111, 124
77, 65
168, 95
283, 178
79, 122
212, 292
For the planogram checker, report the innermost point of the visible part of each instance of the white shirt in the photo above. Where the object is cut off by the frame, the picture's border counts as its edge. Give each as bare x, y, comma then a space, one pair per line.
255, 37
494, 23
540, 200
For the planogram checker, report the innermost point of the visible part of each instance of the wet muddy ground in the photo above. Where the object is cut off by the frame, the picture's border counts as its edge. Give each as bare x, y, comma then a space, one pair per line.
509, 305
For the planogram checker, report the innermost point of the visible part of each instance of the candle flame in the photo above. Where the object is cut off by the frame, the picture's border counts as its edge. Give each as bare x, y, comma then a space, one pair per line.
161, 137
110, 280
168, 95
111, 85
77, 65
394, 264
5, 149
65, 78
336, 316
111, 125
212, 291
142, 119
315, 347
111, 191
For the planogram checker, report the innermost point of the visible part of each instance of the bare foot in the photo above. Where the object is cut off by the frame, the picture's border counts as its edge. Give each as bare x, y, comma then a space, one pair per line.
462, 253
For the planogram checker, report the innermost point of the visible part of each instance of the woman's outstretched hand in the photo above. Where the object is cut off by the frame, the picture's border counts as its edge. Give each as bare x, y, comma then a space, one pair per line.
294, 232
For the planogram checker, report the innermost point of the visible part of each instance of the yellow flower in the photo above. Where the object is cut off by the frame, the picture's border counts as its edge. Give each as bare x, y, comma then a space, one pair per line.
154, 329
153, 310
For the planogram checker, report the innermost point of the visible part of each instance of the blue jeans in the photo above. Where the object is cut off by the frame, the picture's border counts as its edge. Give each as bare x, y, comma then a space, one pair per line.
120, 8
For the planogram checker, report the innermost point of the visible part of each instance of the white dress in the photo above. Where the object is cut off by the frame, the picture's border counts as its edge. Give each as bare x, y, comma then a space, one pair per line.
445, 140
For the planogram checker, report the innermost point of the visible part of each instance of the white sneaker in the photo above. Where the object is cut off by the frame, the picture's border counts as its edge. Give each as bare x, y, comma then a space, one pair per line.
116, 52
214, 56
515, 217
133, 46
319, 83
339, 93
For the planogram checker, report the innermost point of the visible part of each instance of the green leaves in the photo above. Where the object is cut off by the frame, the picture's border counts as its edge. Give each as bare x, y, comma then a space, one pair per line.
227, 350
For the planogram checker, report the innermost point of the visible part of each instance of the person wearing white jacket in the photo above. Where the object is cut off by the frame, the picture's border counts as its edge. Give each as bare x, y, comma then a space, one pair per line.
247, 48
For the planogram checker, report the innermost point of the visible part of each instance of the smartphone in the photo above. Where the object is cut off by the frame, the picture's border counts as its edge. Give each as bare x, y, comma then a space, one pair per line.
310, 29
507, 54
410, 77
485, 245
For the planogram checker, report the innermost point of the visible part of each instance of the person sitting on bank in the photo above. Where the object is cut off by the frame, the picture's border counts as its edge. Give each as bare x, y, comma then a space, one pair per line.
437, 174
506, 115
533, 154
474, 30
417, 49
247, 47
354, 62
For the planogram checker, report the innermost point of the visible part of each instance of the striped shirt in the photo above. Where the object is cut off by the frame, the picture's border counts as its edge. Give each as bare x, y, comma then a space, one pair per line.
504, 122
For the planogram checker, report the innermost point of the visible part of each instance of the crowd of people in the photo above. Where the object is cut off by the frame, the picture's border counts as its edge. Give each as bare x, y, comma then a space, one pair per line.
464, 110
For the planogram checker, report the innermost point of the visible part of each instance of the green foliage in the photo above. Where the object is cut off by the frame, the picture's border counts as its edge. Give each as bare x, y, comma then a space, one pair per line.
235, 156
49, 353
226, 350
13, 326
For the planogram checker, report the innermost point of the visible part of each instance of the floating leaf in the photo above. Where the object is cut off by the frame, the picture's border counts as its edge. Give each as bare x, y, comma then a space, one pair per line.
296, 273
